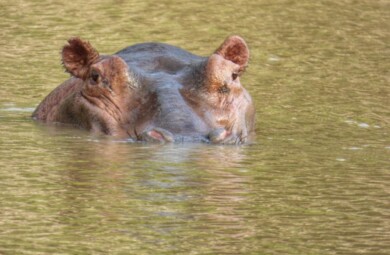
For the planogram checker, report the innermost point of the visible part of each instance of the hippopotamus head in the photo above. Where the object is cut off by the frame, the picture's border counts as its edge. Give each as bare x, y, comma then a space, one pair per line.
220, 98
99, 95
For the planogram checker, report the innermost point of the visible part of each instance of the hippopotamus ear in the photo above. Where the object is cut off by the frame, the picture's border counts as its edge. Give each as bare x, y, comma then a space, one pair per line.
78, 56
234, 49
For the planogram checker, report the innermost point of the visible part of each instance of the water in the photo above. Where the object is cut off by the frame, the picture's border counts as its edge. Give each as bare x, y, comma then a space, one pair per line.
315, 182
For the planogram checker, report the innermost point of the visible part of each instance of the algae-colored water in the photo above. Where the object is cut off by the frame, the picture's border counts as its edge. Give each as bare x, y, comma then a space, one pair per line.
315, 182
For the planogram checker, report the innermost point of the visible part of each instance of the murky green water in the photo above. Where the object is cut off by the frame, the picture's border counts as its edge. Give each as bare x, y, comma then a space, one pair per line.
316, 182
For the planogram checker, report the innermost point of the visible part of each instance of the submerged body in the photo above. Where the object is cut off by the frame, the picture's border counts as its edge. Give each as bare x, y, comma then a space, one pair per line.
163, 93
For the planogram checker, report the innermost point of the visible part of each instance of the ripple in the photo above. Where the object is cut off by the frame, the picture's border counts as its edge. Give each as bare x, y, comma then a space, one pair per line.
18, 109
354, 148
363, 125
360, 124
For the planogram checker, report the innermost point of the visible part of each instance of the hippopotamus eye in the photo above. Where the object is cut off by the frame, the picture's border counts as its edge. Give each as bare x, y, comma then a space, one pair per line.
234, 76
95, 76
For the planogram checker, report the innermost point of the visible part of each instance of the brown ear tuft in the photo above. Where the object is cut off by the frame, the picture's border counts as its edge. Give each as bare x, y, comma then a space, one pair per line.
235, 49
78, 56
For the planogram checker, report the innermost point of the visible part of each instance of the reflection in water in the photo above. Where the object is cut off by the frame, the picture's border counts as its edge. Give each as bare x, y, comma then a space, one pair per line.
316, 181
156, 187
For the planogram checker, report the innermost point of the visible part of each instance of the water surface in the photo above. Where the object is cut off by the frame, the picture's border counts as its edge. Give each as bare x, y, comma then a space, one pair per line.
315, 182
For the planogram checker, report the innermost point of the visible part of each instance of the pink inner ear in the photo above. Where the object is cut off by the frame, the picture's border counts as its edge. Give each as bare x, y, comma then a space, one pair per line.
234, 49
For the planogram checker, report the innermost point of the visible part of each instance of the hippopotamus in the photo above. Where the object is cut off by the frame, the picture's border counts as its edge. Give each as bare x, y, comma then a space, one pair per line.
155, 92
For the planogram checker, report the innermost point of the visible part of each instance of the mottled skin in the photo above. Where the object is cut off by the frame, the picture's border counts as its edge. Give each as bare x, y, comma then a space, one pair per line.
166, 94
